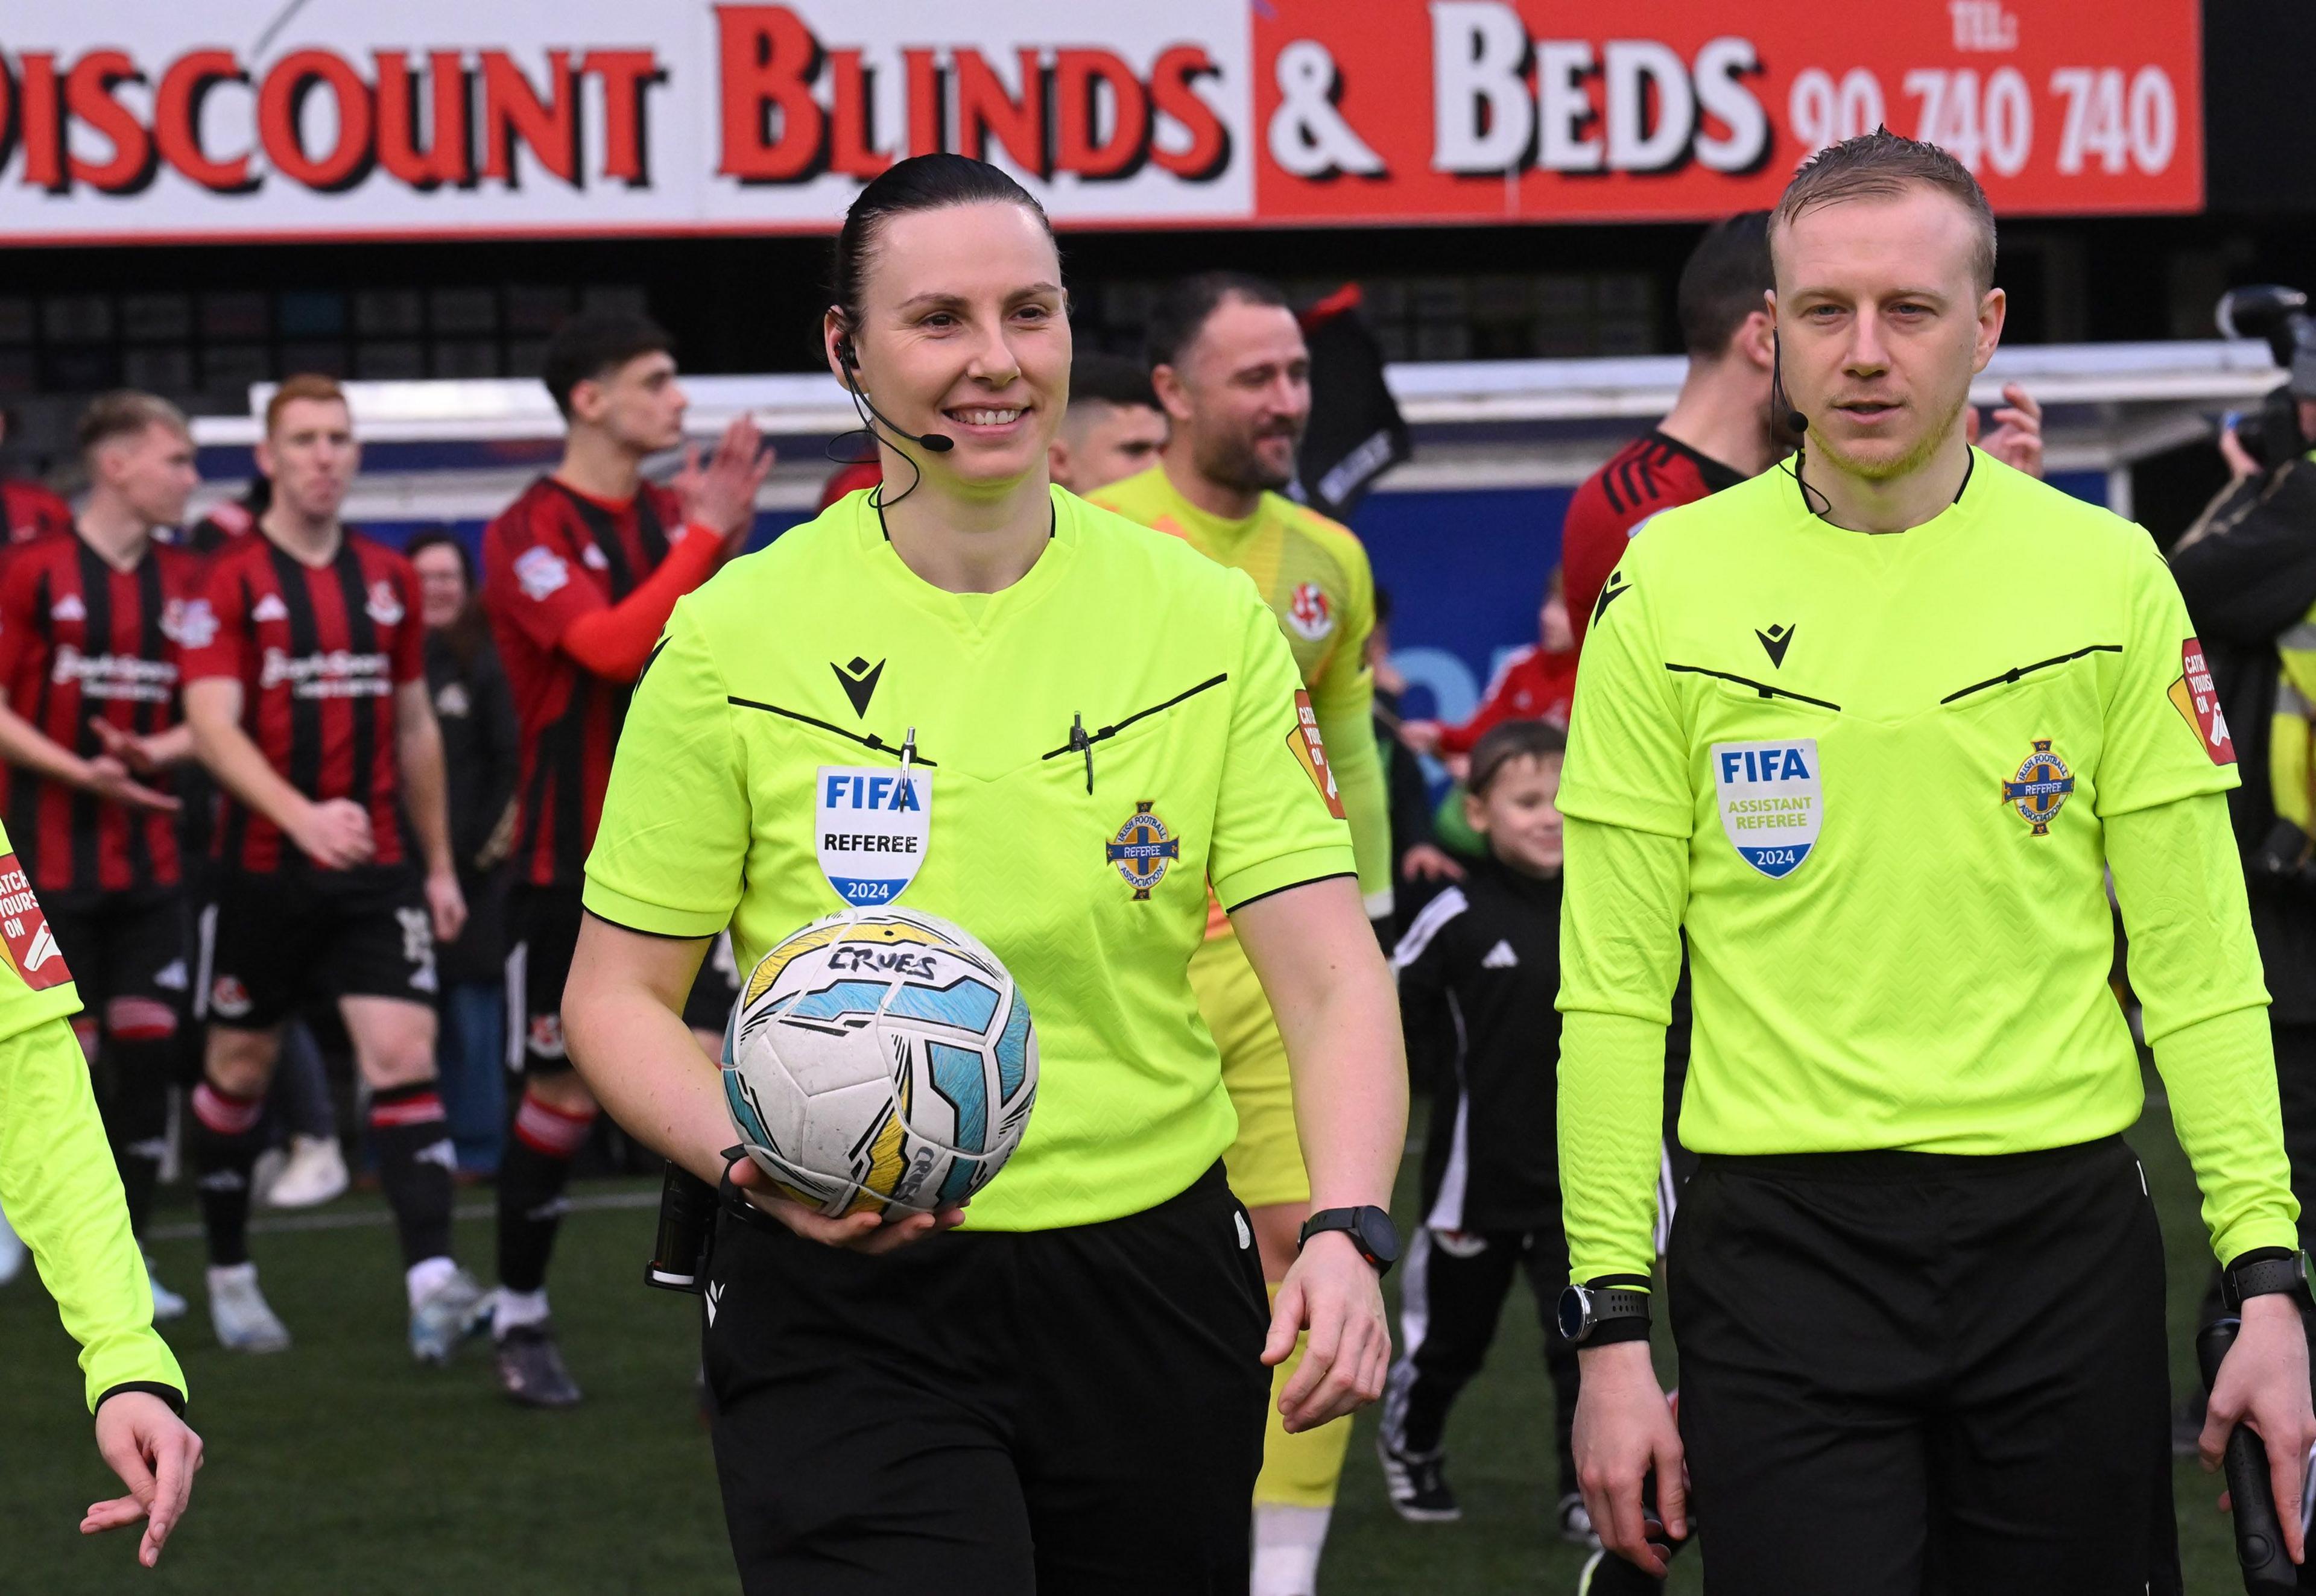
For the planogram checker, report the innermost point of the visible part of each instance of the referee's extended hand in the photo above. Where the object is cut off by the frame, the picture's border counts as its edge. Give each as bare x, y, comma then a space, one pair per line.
2264, 1383
860, 1232
1335, 1294
1624, 1432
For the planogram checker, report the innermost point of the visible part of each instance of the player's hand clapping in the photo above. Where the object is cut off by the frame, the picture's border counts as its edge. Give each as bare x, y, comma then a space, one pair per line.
1336, 1295
2017, 440
860, 1233
722, 492
156, 1455
2264, 1383
334, 834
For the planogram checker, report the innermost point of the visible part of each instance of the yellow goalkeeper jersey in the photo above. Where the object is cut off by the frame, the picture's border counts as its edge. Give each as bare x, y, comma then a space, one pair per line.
1314, 576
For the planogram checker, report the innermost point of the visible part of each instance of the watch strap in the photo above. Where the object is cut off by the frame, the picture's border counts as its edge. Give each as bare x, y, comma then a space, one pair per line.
1346, 1220
2265, 1277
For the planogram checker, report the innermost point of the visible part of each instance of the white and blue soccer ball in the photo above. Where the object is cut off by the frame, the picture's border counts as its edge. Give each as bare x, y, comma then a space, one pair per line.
880, 1059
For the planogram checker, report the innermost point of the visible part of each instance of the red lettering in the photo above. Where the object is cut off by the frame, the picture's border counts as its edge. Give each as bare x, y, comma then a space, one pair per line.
282, 97
1080, 77
983, 107
1172, 81
851, 133
44, 124
625, 74
88, 96
177, 121
928, 86
7, 112
450, 158
511, 109
769, 60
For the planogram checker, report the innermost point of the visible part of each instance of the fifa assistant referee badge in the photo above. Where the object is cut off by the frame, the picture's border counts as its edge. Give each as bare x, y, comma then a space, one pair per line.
1371, 1230
1584, 1311
2275, 1273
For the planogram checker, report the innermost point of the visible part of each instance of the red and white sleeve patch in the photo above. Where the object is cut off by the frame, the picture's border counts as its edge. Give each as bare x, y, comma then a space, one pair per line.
2198, 701
32, 946
1310, 751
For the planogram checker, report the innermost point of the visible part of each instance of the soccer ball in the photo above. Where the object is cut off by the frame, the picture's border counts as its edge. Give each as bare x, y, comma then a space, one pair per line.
880, 1059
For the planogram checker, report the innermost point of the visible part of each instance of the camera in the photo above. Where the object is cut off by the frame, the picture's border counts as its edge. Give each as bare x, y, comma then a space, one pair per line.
2279, 316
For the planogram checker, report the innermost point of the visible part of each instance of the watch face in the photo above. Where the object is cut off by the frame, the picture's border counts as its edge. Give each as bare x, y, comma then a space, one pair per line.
1376, 1234
1572, 1311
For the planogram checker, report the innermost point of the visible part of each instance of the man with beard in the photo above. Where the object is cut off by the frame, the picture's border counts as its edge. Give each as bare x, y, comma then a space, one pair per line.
1230, 368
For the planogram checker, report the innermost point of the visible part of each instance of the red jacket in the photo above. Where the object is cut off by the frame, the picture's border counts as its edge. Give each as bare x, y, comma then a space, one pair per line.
1529, 686
1650, 474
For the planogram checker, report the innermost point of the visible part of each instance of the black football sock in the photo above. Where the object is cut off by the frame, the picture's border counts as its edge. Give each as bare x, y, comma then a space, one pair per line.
415, 1156
533, 1172
223, 1141
137, 1116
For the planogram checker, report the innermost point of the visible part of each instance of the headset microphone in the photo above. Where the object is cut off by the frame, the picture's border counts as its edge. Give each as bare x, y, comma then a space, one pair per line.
1796, 423
937, 443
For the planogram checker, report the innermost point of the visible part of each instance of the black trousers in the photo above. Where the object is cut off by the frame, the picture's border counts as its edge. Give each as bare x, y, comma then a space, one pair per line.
1910, 1373
1451, 1298
993, 1413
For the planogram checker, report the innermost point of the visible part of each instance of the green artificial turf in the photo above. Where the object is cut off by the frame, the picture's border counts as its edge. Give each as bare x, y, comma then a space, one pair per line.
340, 1466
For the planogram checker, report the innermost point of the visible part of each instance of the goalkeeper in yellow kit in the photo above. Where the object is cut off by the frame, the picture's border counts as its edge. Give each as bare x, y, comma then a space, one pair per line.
1233, 375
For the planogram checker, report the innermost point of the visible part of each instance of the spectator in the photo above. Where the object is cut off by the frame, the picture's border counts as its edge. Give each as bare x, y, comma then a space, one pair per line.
471, 701
1537, 683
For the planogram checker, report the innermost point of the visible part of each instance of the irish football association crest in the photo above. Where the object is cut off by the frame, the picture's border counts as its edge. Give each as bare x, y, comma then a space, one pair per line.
1142, 850
2041, 788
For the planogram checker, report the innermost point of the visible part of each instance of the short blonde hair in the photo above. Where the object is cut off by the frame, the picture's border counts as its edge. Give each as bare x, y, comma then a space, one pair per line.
1882, 165
125, 413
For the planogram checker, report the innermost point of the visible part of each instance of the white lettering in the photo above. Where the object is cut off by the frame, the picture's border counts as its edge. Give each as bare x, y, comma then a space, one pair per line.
1482, 118
1632, 66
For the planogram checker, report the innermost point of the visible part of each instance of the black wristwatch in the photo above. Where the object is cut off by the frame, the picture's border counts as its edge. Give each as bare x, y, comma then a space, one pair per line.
2277, 1271
1371, 1230
1584, 1311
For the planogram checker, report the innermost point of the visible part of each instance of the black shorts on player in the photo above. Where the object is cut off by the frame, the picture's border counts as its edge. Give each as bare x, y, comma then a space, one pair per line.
1075, 1412
129, 956
276, 942
542, 933
1926, 1372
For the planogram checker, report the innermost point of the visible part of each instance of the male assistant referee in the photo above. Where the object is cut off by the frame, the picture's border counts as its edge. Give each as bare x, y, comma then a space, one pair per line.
1872, 728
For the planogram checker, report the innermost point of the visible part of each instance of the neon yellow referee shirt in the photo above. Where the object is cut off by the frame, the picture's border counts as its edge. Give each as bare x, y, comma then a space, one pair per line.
1091, 745
1880, 780
57, 1181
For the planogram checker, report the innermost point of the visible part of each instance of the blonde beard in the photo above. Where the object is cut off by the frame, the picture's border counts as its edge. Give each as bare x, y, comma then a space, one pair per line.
1913, 460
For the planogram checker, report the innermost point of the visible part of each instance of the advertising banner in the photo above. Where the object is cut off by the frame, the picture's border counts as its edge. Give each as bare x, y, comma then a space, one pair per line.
223, 120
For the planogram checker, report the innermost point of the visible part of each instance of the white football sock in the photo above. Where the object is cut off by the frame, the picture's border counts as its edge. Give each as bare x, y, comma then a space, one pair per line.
1288, 1541
511, 1310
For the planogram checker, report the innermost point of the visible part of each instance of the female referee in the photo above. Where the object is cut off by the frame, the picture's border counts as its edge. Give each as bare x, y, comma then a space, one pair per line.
1066, 1394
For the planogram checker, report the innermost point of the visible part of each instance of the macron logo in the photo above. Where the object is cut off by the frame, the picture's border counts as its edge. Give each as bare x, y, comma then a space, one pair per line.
715, 1300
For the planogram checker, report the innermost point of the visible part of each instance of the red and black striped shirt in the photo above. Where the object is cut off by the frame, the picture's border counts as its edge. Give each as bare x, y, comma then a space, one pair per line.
1653, 472
79, 641
554, 556
30, 511
319, 652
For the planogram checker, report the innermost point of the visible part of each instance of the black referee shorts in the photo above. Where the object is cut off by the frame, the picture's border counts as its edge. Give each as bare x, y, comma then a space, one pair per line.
542, 937
1906, 1372
1065, 1412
